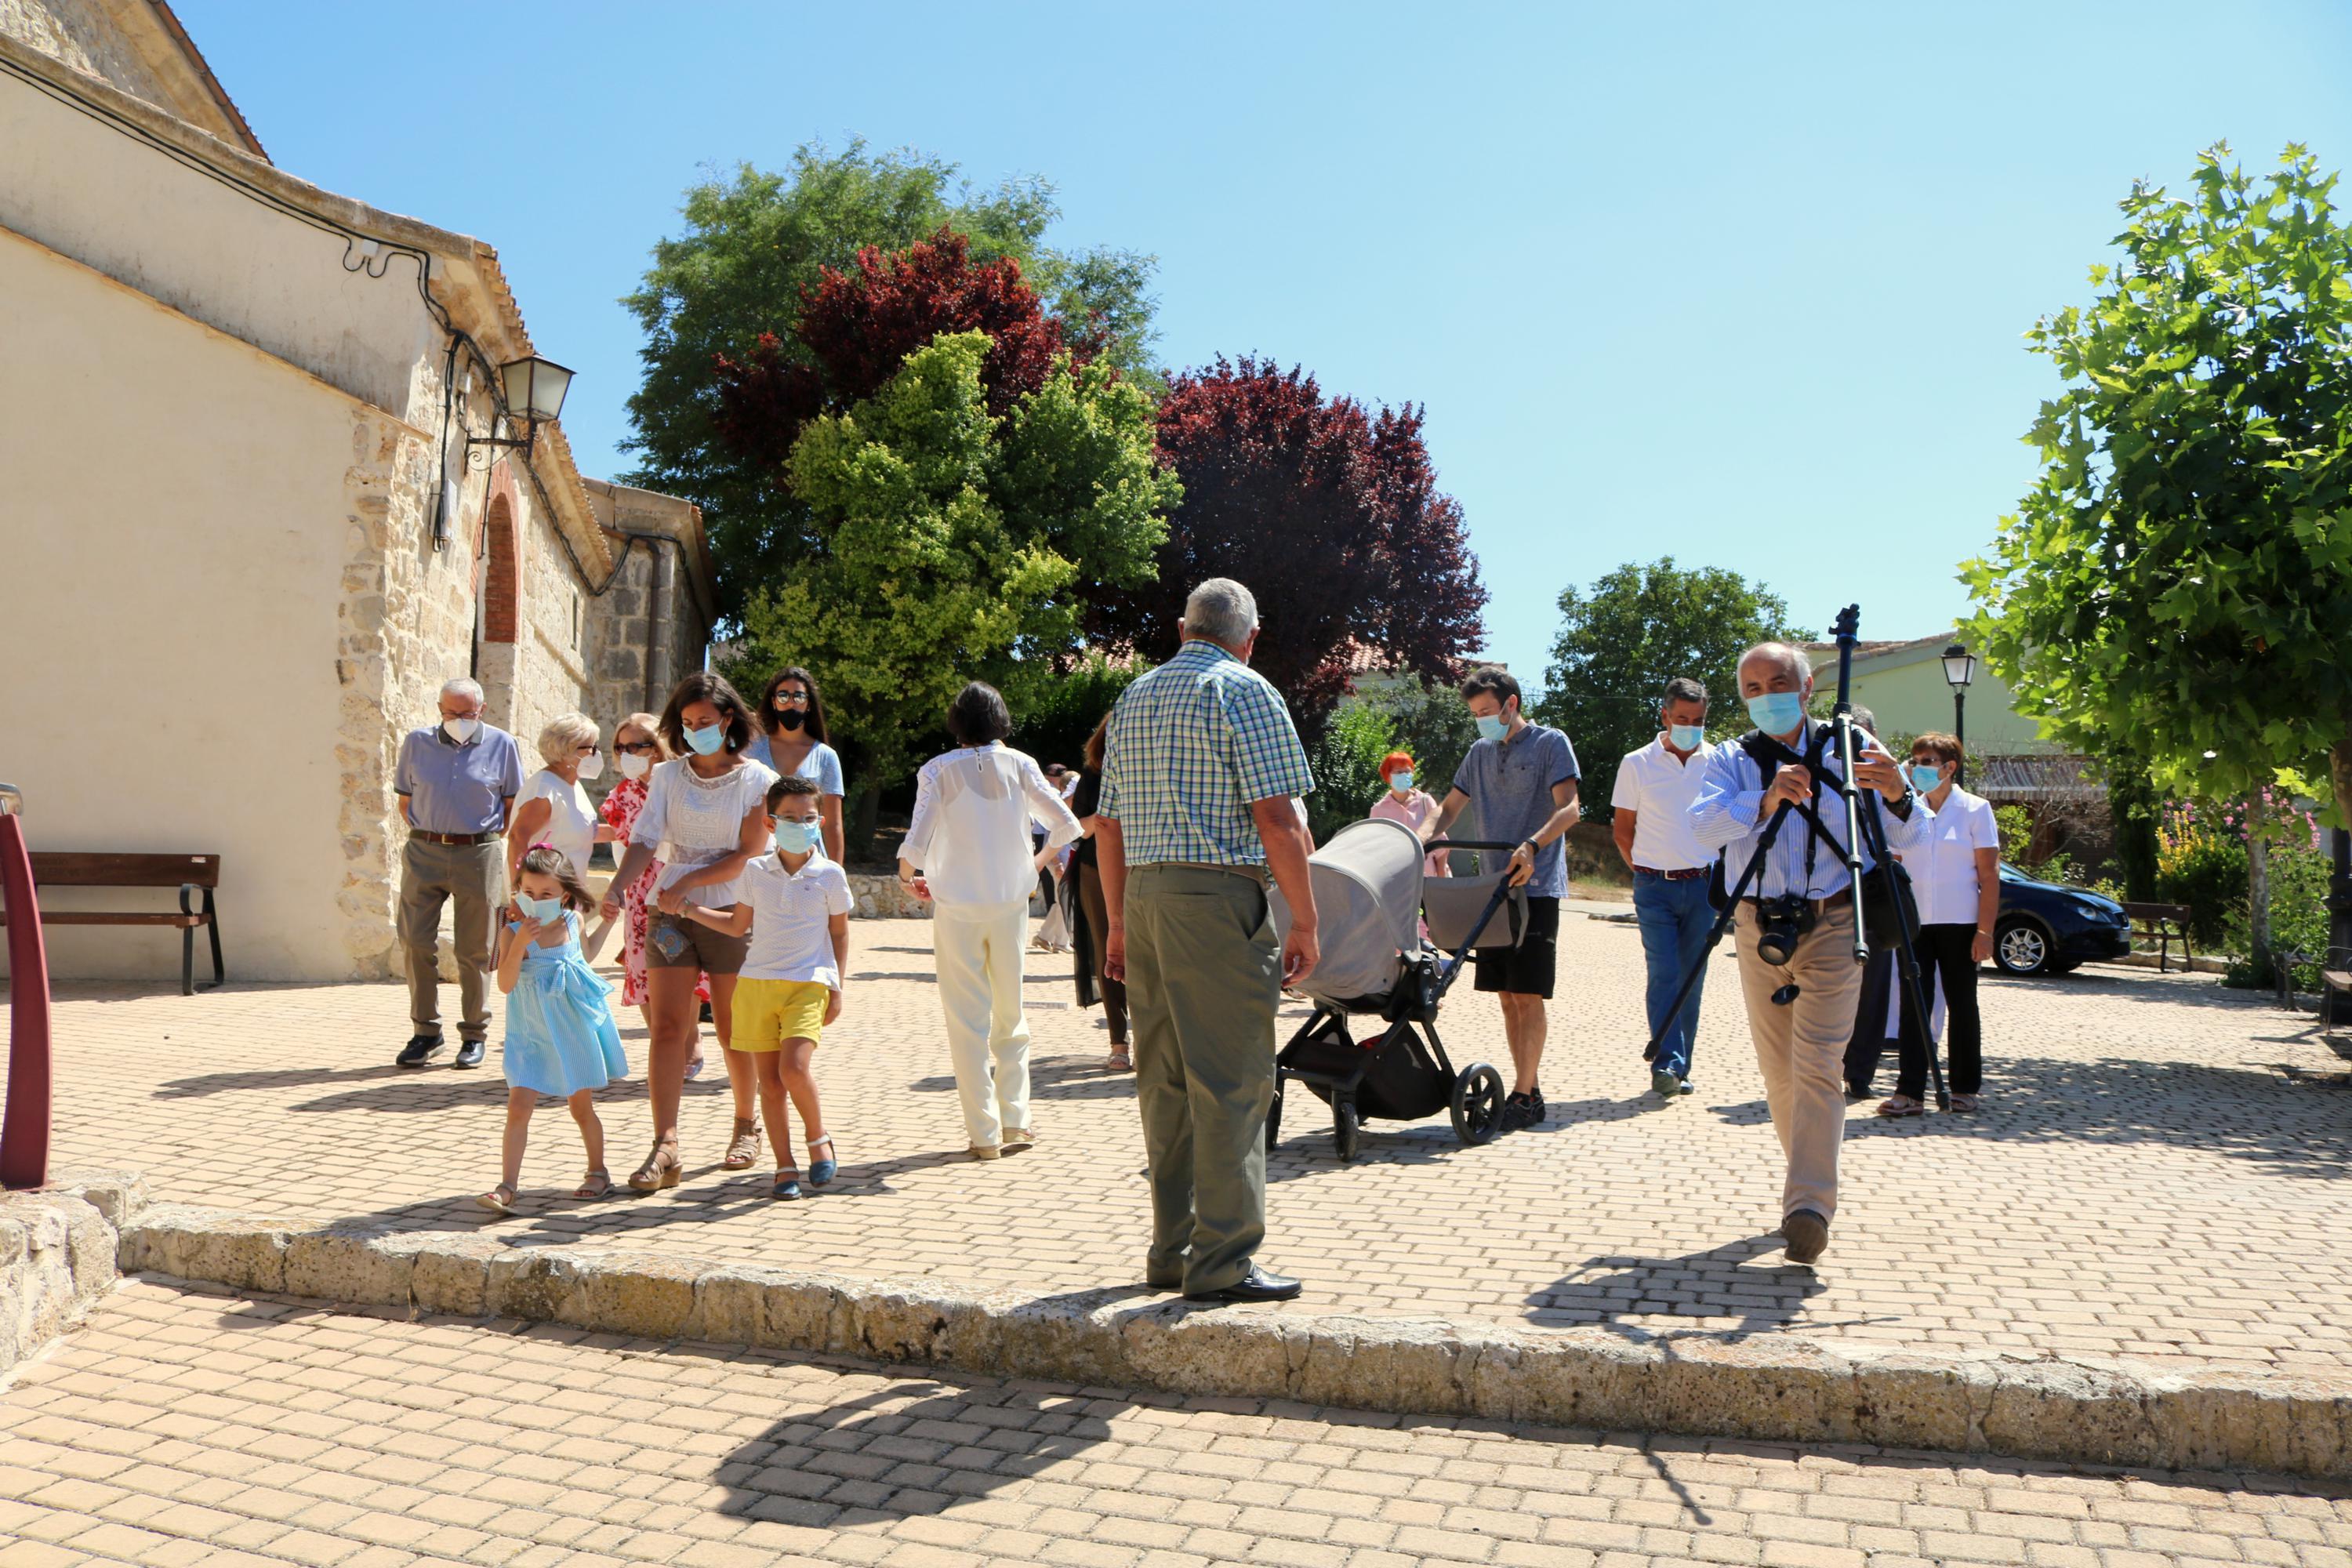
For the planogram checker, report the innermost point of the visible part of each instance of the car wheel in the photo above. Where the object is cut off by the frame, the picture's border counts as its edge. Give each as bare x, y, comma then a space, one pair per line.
2021, 946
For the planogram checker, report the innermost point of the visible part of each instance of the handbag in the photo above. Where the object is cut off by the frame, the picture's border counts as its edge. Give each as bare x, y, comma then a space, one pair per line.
1452, 904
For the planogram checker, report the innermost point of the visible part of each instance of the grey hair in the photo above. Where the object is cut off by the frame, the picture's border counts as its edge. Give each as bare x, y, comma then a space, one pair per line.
462, 686
1788, 655
1865, 718
1222, 611
1683, 688
565, 735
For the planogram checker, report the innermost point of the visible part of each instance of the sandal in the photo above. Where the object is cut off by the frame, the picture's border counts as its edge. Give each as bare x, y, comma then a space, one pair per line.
660, 1170
1119, 1060
743, 1149
822, 1171
694, 1066
1964, 1103
495, 1203
1900, 1105
595, 1184
787, 1184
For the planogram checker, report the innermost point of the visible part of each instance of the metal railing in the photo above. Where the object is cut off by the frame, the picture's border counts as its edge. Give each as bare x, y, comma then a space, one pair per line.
25, 1125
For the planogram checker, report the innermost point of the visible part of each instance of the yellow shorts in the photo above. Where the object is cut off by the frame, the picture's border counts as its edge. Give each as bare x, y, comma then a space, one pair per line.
770, 1012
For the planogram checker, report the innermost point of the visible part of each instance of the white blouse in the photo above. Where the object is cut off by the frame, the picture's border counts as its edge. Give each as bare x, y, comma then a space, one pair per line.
570, 820
691, 821
969, 836
1944, 871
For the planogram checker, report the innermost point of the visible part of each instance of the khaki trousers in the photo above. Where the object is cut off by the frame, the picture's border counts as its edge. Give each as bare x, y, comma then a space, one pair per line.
1800, 1050
474, 875
1204, 979
979, 958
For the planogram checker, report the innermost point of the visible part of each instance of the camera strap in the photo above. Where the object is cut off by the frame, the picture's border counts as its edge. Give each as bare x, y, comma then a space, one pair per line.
1768, 753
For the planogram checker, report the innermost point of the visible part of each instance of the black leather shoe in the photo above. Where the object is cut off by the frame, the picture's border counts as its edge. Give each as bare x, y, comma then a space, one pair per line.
1256, 1285
1163, 1281
469, 1054
419, 1050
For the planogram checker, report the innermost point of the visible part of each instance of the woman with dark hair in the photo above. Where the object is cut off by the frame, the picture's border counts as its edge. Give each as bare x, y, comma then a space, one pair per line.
709, 807
1090, 920
789, 735
968, 851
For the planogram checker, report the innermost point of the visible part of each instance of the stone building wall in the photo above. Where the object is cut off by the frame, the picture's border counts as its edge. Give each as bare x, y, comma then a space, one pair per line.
124, 43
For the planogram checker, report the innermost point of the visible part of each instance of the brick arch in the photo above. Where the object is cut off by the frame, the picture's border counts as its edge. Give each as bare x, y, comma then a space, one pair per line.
501, 564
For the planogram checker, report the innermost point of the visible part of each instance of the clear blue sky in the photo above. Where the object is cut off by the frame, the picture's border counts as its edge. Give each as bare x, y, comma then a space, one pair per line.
1741, 284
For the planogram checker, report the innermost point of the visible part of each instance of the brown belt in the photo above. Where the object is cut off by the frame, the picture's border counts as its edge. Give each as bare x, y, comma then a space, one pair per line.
1691, 875
1253, 873
460, 838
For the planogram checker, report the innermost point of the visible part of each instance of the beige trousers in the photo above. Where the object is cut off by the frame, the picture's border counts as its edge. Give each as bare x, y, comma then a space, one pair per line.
988, 1034
1800, 1050
475, 877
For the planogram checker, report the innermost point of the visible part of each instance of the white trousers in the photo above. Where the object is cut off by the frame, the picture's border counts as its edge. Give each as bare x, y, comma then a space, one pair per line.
988, 1036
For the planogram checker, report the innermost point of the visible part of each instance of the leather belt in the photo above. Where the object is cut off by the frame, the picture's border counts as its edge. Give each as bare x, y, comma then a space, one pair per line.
1690, 875
458, 838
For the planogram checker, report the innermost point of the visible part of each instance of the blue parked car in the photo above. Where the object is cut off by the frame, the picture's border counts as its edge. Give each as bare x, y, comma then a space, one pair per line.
2046, 928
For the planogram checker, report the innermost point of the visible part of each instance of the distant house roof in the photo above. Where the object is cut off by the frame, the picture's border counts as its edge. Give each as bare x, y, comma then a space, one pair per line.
1868, 652
2034, 778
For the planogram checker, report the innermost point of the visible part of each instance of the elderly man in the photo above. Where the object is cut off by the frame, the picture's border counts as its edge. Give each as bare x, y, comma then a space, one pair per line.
1799, 1012
457, 783
1200, 779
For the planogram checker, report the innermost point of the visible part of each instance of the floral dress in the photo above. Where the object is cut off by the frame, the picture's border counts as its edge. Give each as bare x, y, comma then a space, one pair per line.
620, 811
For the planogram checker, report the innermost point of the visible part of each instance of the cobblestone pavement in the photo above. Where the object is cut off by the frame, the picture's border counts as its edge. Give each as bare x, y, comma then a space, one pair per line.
186, 1428
2159, 1171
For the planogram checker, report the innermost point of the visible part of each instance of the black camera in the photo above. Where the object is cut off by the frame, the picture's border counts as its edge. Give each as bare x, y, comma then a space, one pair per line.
1781, 924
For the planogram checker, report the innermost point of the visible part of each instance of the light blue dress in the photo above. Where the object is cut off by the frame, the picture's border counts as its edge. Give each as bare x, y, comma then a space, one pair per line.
560, 1038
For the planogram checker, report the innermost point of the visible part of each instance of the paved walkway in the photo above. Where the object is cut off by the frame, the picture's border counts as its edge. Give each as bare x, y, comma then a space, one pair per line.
2157, 1171
181, 1429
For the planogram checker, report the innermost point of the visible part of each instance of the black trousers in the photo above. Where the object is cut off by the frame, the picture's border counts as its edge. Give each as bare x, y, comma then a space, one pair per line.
1946, 958
1870, 1041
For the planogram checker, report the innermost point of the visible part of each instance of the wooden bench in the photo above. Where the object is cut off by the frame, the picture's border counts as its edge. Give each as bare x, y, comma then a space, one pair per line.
2162, 924
193, 875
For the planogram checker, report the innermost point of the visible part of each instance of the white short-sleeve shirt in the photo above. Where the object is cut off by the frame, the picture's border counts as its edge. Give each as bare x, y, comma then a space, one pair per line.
694, 821
1659, 787
792, 924
1943, 870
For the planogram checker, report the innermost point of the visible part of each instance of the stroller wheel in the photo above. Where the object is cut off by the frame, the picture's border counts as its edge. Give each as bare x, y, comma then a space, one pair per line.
1479, 1104
1274, 1120
1344, 1126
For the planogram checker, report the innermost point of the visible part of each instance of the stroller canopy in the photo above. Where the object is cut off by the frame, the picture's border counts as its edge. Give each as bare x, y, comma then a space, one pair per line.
1367, 884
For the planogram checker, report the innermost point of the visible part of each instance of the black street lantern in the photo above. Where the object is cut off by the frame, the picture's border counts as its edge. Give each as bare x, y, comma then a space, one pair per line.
1959, 668
534, 390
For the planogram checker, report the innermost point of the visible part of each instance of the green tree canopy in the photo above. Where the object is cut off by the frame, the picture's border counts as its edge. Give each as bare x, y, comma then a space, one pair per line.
2181, 573
751, 243
946, 539
1640, 628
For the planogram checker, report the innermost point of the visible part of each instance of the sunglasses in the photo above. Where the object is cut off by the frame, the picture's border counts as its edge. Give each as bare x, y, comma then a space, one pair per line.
635, 748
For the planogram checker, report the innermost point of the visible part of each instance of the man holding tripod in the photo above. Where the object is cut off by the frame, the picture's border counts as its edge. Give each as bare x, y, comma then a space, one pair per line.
1797, 969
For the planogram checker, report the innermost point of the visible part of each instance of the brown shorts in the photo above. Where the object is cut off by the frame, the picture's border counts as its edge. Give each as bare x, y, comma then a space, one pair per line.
676, 941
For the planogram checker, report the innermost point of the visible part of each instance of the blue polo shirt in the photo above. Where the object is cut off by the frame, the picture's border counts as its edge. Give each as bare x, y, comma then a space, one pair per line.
1510, 786
458, 789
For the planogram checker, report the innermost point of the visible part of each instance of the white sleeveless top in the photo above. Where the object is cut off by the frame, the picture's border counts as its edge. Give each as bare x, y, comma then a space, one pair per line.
570, 820
692, 821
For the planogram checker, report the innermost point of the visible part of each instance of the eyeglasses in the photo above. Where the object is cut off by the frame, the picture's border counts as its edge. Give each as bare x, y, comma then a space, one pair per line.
588, 749
635, 748
798, 698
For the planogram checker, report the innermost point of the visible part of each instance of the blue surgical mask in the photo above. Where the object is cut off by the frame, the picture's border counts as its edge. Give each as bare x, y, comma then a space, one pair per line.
1493, 729
1401, 781
795, 838
707, 740
546, 911
1686, 737
1926, 777
1777, 712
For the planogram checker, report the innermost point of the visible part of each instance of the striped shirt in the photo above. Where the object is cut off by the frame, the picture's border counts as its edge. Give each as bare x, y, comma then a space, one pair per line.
1192, 745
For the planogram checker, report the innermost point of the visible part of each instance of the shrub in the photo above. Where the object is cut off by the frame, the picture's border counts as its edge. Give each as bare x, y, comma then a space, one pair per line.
2203, 867
1347, 762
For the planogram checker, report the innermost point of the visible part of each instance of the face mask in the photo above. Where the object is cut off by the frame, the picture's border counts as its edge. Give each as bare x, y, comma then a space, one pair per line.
1926, 777
1777, 712
790, 717
592, 766
460, 729
1686, 737
707, 740
546, 911
793, 836
634, 766
1492, 729
1402, 781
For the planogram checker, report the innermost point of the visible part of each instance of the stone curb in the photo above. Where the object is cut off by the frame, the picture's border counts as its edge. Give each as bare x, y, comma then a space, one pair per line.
1789, 1390
58, 1246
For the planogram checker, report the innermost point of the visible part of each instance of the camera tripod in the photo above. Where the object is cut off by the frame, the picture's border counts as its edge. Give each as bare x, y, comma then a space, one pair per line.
1859, 823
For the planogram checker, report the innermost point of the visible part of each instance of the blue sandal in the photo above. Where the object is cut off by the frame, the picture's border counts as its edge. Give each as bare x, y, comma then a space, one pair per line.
822, 1171
788, 1183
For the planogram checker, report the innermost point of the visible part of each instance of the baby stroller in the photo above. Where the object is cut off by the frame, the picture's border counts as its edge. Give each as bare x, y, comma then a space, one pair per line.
1369, 899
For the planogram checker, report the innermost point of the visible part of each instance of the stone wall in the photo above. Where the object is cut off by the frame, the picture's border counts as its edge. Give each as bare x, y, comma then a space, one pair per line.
880, 897
58, 1252
124, 43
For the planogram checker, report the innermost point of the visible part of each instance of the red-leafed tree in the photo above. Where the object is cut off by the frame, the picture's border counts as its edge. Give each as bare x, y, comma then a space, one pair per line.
1329, 514
857, 324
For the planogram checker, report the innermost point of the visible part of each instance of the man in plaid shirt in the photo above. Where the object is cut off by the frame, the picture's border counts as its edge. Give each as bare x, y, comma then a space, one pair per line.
1201, 780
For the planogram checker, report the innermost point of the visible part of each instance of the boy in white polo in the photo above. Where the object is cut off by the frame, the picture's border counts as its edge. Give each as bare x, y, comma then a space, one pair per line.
1651, 801
796, 903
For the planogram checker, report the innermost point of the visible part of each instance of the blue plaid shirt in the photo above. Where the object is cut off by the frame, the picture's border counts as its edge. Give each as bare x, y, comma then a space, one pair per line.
1192, 744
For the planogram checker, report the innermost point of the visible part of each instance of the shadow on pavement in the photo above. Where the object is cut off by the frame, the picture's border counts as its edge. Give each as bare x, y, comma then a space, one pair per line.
1604, 1292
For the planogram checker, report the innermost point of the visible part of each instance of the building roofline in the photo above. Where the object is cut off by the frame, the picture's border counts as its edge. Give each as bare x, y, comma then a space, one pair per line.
212, 85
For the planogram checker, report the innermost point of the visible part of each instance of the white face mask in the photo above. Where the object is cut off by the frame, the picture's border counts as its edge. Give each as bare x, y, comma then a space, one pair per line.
633, 765
592, 766
460, 729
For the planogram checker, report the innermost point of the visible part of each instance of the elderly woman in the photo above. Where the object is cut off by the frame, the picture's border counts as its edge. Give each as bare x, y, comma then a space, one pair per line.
636, 747
1957, 880
709, 807
790, 739
968, 851
552, 808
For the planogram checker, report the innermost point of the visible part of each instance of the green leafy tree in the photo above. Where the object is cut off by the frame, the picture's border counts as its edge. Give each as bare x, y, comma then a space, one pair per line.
2181, 571
948, 539
1346, 760
751, 243
1638, 629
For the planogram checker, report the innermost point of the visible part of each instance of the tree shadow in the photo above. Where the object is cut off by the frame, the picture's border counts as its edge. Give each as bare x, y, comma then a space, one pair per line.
409, 1089
1610, 1292
1059, 1077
